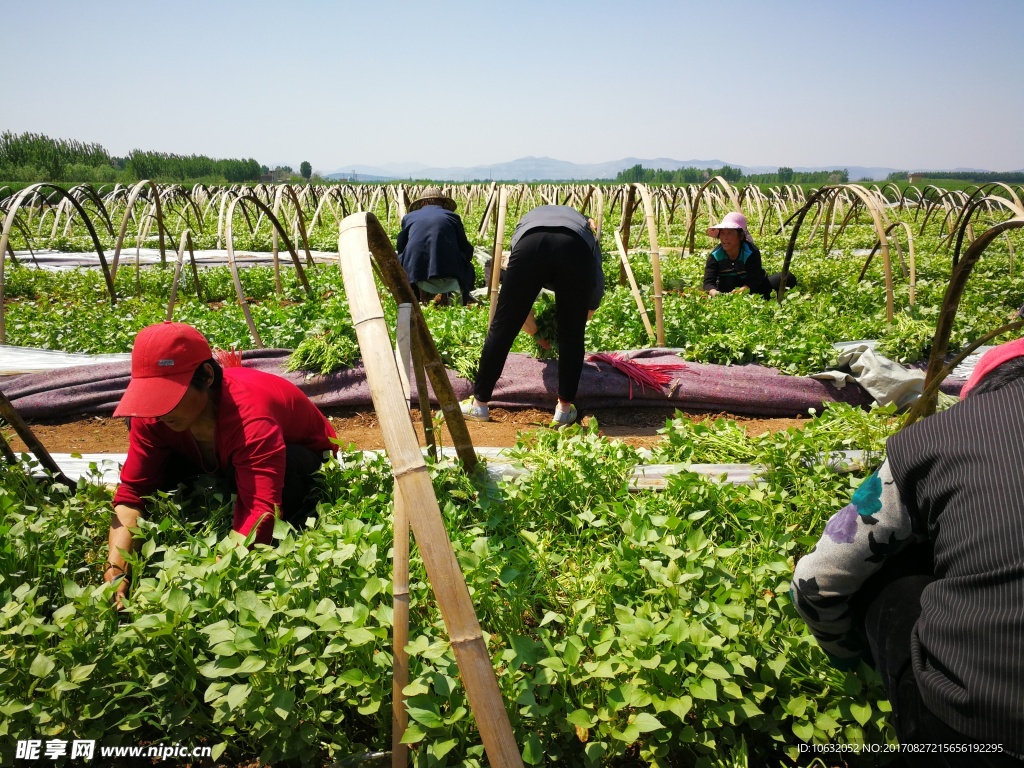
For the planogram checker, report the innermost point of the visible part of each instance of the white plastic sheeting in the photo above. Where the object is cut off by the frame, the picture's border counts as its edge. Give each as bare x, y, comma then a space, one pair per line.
16, 360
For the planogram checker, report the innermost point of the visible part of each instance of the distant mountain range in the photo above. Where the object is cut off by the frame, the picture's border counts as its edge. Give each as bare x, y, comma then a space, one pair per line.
550, 169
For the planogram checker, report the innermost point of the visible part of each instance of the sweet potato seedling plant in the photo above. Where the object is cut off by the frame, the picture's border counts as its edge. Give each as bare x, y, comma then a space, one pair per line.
650, 628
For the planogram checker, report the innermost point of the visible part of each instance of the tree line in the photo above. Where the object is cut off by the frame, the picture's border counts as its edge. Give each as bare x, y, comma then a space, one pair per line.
978, 177
640, 175
32, 157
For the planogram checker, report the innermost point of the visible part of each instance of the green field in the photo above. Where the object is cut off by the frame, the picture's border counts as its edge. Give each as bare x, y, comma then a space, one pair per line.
625, 628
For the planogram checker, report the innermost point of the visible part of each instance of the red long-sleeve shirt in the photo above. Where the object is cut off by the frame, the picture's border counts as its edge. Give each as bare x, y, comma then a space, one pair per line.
258, 413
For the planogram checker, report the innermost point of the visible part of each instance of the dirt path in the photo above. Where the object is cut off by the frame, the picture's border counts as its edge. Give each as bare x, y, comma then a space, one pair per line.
634, 426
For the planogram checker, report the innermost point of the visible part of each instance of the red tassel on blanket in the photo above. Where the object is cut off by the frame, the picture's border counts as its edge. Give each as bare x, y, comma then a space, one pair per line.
228, 358
645, 374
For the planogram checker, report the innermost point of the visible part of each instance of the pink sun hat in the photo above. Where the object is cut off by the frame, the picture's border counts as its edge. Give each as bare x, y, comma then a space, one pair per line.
992, 360
732, 220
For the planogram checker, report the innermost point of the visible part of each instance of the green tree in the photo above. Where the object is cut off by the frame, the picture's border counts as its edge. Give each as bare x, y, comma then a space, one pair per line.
305, 170
785, 174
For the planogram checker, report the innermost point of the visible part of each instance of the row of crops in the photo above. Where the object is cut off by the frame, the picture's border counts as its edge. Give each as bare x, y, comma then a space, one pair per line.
625, 628
842, 293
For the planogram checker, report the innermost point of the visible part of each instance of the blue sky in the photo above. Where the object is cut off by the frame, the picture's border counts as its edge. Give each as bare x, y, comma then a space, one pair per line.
900, 83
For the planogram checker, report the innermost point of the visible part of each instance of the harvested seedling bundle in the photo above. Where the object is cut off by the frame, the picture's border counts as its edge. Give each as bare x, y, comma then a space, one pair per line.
654, 375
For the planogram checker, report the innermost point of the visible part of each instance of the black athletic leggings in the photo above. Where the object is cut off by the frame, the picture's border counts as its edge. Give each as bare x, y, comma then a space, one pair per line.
557, 258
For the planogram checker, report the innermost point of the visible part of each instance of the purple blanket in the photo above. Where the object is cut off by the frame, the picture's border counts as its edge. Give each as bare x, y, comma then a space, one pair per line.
750, 390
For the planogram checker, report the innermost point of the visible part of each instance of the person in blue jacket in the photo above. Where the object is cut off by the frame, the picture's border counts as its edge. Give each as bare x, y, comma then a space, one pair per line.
434, 250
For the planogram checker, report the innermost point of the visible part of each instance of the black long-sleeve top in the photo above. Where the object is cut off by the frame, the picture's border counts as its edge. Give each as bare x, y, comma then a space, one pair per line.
725, 274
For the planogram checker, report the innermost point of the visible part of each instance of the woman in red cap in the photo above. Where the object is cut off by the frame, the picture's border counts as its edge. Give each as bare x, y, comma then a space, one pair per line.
189, 416
735, 265
922, 574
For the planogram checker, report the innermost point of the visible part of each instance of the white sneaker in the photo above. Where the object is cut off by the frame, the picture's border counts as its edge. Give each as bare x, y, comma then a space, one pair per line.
473, 412
564, 416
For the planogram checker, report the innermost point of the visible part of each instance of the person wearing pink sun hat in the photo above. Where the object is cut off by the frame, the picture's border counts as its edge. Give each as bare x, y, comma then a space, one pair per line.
735, 265
190, 416
922, 574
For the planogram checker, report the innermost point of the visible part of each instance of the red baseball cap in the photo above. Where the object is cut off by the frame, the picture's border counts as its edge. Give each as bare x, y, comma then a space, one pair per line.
992, 360
164, 357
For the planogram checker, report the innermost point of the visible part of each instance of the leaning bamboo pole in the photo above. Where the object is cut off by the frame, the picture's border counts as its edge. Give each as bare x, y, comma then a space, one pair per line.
10, 414
412, 483
624, 258
426, 414
492, 199
397, 282
6, 452
652, 234
498, 252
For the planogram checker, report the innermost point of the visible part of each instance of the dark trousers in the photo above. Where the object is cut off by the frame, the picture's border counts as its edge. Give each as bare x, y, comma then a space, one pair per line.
890, 604
554, 257
774, 280
298, 501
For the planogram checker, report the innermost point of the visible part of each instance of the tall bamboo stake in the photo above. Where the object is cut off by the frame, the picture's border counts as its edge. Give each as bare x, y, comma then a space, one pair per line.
628, 204
421, 391
400, 625
652, 234
412, 481
498, 252
624, 258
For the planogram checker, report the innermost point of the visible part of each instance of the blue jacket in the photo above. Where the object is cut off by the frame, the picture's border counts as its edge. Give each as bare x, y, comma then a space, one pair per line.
433, 244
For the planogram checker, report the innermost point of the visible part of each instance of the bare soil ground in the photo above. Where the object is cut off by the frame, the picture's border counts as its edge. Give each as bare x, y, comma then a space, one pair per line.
635, 426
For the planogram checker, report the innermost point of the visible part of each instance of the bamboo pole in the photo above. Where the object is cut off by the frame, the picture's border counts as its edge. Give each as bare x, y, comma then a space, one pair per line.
624, 258
129, 212
6, 451
421, 392
492, 198
186, 241
397, 283
238, 281
412, 481
403, 355
400, 626
628, 205
652, 234
12, 417
498, 252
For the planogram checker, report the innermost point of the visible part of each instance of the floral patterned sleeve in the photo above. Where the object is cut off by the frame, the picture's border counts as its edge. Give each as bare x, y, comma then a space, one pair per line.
857, 540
